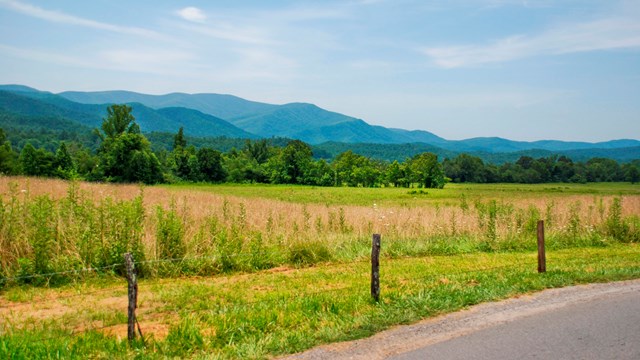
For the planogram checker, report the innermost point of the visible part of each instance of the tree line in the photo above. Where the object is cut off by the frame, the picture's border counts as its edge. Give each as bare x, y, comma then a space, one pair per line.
124, 154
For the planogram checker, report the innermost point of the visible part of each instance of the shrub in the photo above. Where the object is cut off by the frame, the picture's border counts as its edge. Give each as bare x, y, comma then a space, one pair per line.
42, 237
169, 234
615, 225
121, 230
308, 253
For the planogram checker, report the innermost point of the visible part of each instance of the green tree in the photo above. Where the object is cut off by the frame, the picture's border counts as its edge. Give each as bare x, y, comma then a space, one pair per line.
601, 170
63, 163
564, 169
210, 165
258, 150
632, 173
8, 157
125, 154
394, 174
185, 167
465, 168
179, 140
320, 174
36, 162
356, 170
427, 171
292, 163
240, 167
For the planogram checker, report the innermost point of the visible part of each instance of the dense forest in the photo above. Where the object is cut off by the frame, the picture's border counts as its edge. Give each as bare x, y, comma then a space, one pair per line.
119, 152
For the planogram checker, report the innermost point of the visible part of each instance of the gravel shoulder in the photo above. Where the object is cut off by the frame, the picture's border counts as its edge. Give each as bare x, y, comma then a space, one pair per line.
407, 338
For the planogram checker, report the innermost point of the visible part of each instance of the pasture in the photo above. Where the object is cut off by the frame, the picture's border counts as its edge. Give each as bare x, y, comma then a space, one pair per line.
252, 271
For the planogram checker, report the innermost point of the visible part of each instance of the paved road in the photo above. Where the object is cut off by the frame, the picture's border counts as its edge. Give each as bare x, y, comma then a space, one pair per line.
598, 321
606, 327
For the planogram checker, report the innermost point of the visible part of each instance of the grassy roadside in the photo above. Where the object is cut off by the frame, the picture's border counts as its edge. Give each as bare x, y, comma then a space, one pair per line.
282, 310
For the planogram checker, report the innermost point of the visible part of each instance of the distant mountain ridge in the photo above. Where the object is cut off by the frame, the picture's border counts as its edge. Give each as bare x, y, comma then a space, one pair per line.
221, 106
214, 115
44, 104
303, 121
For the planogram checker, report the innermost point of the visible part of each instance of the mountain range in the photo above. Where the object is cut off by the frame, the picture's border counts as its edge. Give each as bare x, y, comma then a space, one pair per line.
216, 115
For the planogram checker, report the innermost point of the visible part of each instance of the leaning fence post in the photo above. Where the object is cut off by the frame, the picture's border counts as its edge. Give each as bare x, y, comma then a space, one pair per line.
542, 261
375, 267
133, 296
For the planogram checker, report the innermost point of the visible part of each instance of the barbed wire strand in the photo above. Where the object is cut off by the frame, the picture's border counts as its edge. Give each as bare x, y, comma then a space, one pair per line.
208, 257
279, 297
52, 274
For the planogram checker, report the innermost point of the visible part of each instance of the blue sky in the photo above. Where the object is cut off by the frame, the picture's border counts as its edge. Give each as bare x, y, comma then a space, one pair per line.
523, 70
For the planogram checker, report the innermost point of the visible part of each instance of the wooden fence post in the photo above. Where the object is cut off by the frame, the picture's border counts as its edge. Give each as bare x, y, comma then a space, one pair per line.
542, 260
133, 296
375, 267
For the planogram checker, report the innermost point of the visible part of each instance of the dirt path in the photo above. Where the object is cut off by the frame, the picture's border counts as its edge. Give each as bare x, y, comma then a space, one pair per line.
408, 338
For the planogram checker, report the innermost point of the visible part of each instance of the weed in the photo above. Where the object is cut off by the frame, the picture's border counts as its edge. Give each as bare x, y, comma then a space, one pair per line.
615, 225
573, 227
464, 206
169, 233
184, 338
308, 253
42, 237
67, 226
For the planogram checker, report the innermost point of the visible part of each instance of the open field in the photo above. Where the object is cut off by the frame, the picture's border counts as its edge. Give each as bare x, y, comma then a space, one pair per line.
237, 271
452, 193
51, 226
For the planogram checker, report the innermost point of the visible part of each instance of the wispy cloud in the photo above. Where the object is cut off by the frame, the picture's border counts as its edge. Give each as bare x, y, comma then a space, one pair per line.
606, 34
301, 14
148, 61
44, 56
192, 14
154, 61
63, 18
234, 33
262, 64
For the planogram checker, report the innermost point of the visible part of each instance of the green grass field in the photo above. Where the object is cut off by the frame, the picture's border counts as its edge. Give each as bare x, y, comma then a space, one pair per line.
256, 271
409, 197
283, 311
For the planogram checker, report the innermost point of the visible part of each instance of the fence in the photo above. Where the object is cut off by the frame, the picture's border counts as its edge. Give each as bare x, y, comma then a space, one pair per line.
133, 326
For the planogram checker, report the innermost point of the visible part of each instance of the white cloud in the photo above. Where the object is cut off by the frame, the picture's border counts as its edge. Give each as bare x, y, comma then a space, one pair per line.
606, 34
44, 56
225, 31
148, 61
153, 61
262, 64
192, 14
63, 18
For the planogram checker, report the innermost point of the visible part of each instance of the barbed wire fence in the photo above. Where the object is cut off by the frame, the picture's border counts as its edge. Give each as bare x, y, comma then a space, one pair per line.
132, 286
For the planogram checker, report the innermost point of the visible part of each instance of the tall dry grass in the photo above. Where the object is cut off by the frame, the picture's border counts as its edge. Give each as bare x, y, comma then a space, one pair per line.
81, 222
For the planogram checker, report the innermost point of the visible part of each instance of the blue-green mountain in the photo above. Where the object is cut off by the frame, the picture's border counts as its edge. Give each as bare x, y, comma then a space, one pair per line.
216, 115
43, 104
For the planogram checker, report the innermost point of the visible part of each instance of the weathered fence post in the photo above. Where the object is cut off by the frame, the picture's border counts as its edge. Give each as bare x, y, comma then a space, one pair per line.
133, 296
542, 260
375, 267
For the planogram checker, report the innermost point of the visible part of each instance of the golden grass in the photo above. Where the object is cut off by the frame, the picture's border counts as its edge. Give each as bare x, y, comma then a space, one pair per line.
283, 223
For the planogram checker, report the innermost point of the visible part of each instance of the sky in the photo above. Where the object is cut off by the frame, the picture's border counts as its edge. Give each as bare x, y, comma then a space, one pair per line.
518, 69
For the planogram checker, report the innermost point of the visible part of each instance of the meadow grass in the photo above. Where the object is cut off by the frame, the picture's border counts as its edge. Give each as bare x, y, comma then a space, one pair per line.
337, 196
252, 271
283, 310
52, 226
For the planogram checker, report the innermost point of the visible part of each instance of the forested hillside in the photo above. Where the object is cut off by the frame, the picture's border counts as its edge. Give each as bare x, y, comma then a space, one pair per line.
120, 152
216, 115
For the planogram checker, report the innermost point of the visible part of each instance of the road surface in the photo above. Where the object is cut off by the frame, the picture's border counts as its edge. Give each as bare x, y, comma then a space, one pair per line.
598, 321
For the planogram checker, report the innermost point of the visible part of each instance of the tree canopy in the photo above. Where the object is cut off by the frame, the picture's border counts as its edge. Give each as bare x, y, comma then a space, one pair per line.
119, 152
125, 154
